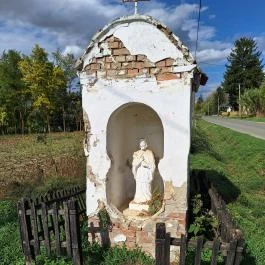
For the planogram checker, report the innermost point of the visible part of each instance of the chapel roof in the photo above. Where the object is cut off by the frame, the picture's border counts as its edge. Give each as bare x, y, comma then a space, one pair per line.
175, 43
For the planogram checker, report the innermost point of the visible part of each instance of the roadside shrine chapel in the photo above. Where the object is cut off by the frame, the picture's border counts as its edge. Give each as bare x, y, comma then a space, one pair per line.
138, 83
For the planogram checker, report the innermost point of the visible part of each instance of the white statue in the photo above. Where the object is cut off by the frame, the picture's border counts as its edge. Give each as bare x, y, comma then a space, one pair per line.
143, 168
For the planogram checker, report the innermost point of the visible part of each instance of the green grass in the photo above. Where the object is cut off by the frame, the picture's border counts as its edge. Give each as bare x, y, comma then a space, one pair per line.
256, 119
236, 164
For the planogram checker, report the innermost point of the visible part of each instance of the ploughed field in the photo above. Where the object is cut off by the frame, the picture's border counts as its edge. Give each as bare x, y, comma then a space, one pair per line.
32, 162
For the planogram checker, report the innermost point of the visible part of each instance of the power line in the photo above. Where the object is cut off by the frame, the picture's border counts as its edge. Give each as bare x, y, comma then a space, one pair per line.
212, 64
198, 28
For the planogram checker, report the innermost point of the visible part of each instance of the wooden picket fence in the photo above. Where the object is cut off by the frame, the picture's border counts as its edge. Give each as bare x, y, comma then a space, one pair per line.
231, 252
227, 230
52, 223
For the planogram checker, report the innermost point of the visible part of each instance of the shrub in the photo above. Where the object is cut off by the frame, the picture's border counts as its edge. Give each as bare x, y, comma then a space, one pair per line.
204, 223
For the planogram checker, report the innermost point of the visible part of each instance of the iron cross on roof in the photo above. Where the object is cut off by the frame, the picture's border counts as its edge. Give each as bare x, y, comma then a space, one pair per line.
135, 4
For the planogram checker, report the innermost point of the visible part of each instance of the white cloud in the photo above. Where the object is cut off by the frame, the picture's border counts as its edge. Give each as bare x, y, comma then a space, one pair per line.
213, 55
69, 24
208, 89
74, 49
261, 43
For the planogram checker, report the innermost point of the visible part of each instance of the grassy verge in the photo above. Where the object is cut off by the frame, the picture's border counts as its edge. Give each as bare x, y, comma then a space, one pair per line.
255, 119
236, 164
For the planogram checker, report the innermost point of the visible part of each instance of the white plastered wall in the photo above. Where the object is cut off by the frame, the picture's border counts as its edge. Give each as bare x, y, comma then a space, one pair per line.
169, 99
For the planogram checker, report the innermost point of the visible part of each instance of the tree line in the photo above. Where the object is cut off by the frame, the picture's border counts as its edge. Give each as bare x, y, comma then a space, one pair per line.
243, 86
38, 92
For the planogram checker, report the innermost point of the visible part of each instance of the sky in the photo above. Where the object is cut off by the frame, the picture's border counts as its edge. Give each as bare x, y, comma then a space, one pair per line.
68, 25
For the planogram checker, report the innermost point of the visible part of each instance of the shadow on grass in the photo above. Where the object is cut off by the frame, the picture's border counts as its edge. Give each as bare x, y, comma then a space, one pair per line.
226, 189
223, 185
200, 144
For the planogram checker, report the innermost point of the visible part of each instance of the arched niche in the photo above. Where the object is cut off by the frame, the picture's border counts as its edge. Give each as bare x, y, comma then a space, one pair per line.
126, 126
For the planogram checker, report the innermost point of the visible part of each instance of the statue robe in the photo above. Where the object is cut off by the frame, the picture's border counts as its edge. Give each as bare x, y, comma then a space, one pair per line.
143, 167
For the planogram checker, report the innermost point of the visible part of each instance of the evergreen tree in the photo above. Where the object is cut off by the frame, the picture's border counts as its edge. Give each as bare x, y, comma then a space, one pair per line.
199, 104
244, 67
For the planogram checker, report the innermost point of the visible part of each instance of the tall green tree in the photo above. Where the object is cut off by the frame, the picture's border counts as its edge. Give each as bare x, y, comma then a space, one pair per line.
244, 68
199, 105
13, 96
43, 81
71, 101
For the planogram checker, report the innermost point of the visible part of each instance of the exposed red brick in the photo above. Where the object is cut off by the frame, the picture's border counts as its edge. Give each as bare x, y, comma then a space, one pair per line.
144, 71
130, 58
166, 70
113, 45
111, 73
169, 62
154, 71
132, 72
122, 72
122, 51
108, 59
141, 57
91, 71
121, 45
120, 58
110, 39
127, 65
115, 66
161, 63
166, 76
131, 245
148, 64
95, 66
88, 67
107, 66
139, 65
144, 237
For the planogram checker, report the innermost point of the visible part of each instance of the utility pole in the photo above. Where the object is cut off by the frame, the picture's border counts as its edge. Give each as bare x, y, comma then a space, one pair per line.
239, 98
218, 105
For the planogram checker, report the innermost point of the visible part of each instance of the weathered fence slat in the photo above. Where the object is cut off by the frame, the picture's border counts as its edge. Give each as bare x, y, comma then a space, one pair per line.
67, 230
197, 259
160, 244
238, 256
34, 222
47, 242
56, 229
24, 232
231, 253
75, 232
183, 250
215, 251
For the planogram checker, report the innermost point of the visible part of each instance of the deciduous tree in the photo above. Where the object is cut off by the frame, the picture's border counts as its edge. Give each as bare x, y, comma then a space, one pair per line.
44, 81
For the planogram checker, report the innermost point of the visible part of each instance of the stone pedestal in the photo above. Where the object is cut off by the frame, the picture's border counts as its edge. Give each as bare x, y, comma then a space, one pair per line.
138, 207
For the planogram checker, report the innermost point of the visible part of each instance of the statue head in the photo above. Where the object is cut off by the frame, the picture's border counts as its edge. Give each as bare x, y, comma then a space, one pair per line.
143, 145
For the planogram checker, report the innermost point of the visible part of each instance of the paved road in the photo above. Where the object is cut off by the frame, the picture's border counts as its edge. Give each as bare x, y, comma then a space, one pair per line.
256, 129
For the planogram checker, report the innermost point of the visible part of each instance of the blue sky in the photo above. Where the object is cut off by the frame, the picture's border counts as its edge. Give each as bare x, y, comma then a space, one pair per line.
69, 24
